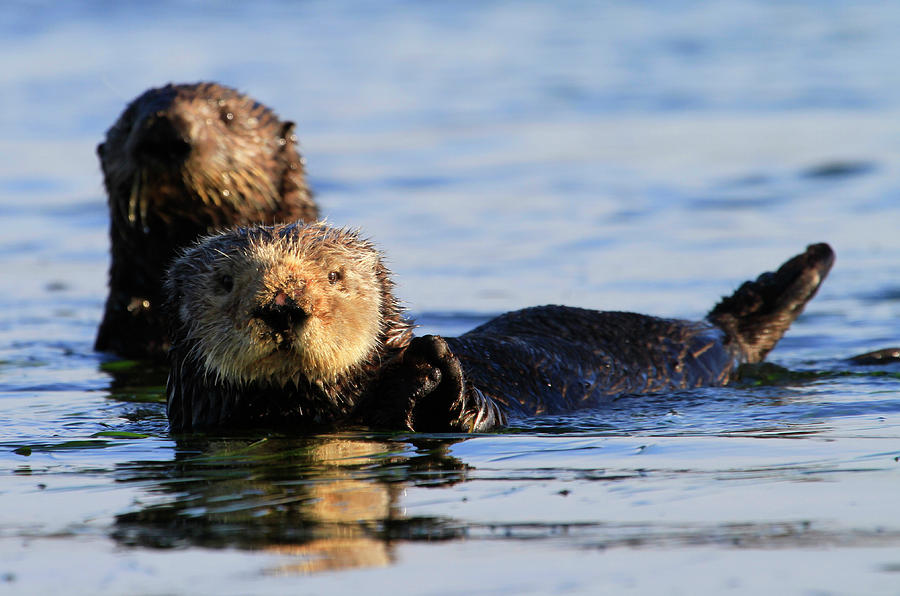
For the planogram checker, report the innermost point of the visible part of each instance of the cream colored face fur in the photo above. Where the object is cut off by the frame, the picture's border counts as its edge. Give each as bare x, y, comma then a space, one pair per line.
329, 274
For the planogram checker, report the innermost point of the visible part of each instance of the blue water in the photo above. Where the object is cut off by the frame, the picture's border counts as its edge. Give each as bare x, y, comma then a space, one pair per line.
640, 156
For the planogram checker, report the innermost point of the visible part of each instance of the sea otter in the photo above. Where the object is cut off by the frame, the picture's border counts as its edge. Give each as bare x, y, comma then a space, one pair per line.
181, 162
297, 326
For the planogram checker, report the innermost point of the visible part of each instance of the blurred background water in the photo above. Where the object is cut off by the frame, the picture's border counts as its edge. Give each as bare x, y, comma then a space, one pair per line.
646, 156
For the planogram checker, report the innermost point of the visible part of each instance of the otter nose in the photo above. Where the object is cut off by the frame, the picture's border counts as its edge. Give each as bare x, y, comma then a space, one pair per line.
282, 313
163, 138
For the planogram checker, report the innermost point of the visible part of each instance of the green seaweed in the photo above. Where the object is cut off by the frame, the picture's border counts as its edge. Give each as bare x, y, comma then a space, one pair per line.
152, 394
64, 446
766, 373
118, 434
120, 365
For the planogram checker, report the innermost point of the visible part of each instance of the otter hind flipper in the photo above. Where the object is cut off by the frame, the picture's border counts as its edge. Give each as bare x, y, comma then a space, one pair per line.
759, 312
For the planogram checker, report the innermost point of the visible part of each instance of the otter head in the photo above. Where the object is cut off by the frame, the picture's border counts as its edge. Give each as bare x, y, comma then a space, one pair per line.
280, 303
178, 146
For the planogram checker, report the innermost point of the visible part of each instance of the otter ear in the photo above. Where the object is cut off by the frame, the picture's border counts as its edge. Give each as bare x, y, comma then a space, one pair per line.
287, 132
371, 261
101, 150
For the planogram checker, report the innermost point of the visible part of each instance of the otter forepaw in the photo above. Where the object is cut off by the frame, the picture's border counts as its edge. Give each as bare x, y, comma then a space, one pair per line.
437, 408
405, 382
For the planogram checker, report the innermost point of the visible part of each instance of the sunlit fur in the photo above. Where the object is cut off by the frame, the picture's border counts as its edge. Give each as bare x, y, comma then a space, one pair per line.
347, 322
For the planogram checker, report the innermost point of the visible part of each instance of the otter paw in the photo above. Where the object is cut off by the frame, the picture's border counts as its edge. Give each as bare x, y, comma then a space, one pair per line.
437, 408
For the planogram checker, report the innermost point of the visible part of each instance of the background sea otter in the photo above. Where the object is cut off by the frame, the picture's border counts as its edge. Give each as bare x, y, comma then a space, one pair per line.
180, 162
296, 325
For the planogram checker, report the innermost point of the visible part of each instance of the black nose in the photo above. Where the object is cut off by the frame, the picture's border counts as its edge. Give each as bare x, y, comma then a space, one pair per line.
163, 138
281, 317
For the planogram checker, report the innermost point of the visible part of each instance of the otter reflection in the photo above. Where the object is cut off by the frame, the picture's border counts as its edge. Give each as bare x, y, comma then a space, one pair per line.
330, 502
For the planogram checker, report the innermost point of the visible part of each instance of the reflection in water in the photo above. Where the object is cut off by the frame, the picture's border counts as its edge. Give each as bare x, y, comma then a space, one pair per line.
336, 502
330, 502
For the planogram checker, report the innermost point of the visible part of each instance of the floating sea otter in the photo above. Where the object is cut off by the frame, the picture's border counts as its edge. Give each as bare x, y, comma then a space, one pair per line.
181, 162
297, 326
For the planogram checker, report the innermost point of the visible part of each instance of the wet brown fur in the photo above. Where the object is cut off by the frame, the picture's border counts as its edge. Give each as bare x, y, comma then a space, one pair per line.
297, 326
183, 161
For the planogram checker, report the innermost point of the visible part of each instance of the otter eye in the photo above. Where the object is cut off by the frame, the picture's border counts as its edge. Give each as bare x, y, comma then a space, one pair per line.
227, 116
334, 277
226, 282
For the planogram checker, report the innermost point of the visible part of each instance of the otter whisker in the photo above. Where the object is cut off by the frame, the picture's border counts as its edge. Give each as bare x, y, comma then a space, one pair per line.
134, 197
144, 202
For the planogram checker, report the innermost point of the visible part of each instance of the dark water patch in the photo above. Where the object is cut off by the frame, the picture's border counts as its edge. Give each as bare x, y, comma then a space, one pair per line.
749, 180
60, 387
69, 352
27, 362
57, 286
627, 216
890, 293
839, 169
734, 203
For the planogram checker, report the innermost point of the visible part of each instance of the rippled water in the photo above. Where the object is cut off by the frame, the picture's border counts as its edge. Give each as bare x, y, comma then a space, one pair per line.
640, 156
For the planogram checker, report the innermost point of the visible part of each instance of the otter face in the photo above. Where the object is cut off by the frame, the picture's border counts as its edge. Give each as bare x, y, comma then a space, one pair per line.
177, 145
279, 303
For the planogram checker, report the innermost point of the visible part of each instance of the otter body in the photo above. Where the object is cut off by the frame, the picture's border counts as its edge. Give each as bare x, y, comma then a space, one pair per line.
555, 359
181, 162
297, 326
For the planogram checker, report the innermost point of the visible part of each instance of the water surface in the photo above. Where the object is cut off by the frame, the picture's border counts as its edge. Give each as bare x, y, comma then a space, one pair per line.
637, 156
